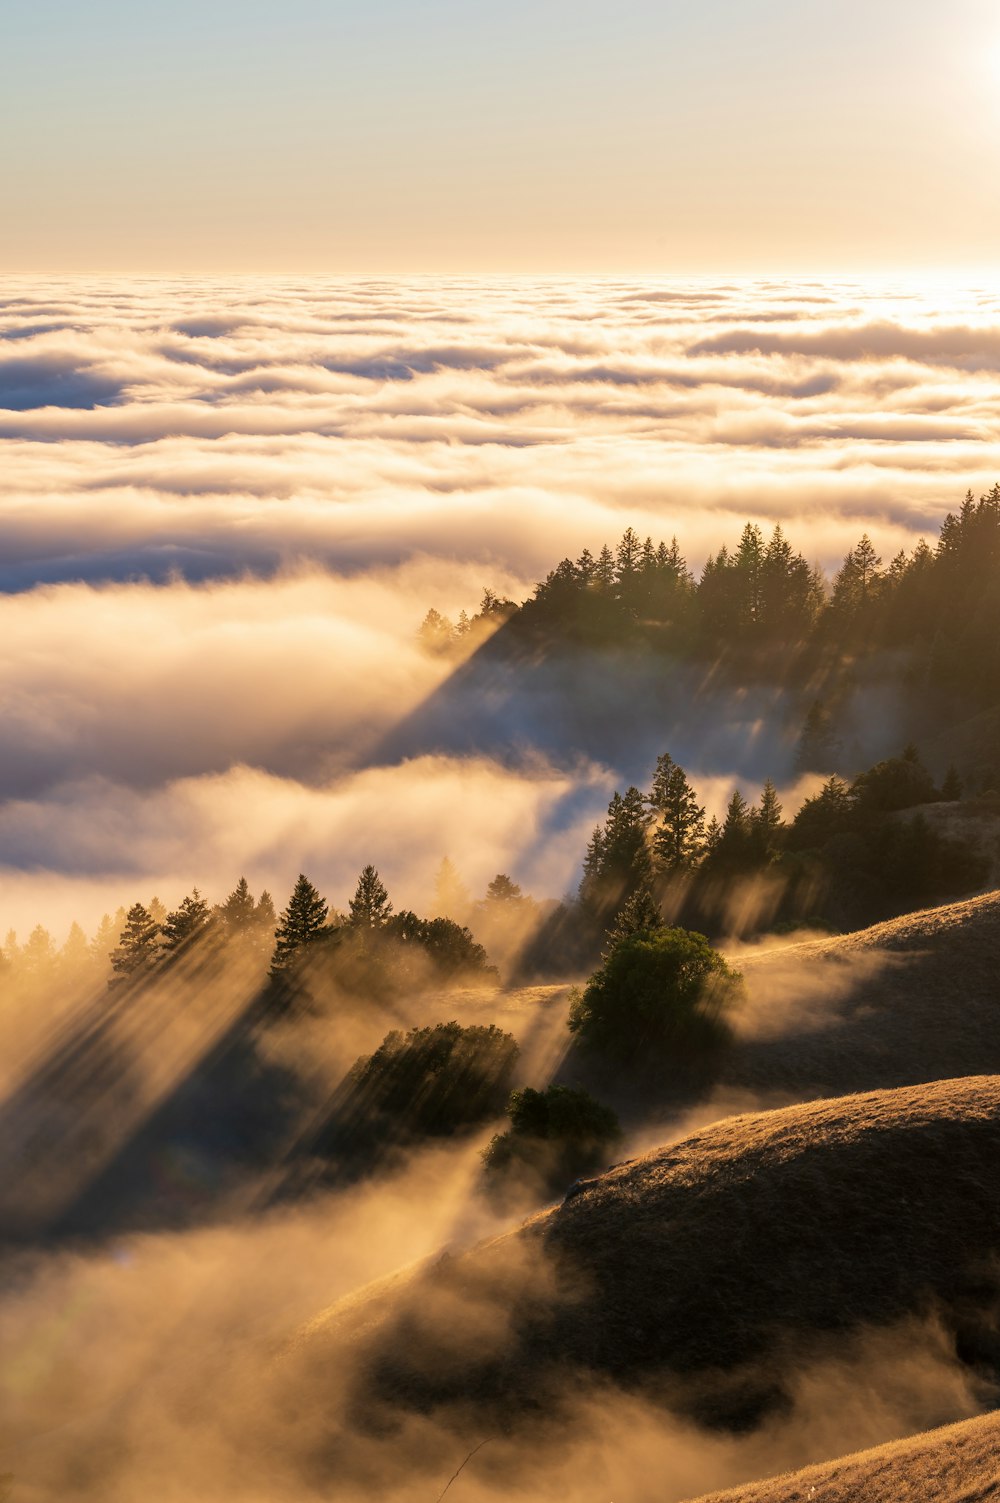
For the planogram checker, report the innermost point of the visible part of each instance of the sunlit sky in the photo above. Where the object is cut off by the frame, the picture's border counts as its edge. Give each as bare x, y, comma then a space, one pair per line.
342, 136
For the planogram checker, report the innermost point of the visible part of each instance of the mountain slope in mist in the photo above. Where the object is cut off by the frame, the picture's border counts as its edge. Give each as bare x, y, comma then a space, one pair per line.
704, 1273
913, 999
957, 1464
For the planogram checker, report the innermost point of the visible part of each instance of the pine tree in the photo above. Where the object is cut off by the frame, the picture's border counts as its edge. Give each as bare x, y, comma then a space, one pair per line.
74, 957
618, 859
451, 896
103, 941
237, 911
157, 911
503, 890
818, 746
604, 569
182, 927
264, 916
38, 957
767, 816
749, 564
138, 946
301, 923
628, 559
639, 915
679, 839
370, 906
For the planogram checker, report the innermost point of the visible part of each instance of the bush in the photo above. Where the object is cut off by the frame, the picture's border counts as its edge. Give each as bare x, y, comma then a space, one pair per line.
554, 1136
658, 995
435, 1080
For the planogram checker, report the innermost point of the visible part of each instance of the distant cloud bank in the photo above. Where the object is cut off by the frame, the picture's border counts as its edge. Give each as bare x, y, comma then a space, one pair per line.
226, 505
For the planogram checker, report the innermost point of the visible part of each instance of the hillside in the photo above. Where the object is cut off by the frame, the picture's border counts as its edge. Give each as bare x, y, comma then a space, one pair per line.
692, 1273
957, 1464
914, 999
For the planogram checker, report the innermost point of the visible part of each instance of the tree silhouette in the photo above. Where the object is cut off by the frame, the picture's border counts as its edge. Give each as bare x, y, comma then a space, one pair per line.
183, 926
451, 896
138, 946
238, 909
370, 907
502, 890
680, 836
302, 922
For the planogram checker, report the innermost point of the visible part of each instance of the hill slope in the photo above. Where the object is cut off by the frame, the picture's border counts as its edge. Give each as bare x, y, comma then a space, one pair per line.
957, 1464
700, 1272
914, 999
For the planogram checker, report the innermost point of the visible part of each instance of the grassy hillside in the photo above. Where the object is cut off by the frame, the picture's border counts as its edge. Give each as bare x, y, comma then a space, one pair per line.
957, 1464
696, 1272
914, 999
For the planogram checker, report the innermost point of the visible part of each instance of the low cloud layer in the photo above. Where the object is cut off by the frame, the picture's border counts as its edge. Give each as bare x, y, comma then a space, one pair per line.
207, 429
226, 507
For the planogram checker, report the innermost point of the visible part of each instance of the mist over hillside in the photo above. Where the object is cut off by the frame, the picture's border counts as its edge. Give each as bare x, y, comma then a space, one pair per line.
499, 833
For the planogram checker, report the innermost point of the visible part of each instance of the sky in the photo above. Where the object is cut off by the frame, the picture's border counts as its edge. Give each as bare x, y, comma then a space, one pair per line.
443, 137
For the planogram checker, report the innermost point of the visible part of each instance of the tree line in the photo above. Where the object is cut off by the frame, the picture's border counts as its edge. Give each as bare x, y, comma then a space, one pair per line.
940, 603
845, 858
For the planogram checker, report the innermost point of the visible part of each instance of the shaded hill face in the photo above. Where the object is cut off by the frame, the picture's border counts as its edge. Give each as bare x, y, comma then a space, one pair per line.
955, 1465
911, 1000
518, 697
693, 1274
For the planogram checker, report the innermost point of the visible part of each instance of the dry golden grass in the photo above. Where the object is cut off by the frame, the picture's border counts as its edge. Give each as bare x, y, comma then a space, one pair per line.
705, 1272
958, 1464
915, 999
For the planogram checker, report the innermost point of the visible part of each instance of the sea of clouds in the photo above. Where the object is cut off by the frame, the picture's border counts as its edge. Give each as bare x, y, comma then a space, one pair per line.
227, 505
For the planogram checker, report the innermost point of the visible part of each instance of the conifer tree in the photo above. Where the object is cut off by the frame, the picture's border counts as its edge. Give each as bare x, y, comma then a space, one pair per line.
679, 838
74, 957
238, 909
183, 926
138, 946
639, 915
618, 859
103, 941
451, 896
264, 916
301, 923
370, 907
767, 816
818, 746
37, 958
503, 890
604, 569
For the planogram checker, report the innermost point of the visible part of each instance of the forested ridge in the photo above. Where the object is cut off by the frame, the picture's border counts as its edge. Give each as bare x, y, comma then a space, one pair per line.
765, 609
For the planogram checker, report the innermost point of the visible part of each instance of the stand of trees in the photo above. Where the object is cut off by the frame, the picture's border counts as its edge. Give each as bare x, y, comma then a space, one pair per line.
940, 605
854, 853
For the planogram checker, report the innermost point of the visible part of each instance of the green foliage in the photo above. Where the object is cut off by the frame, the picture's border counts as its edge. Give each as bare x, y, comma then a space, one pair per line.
138, 946
679, 838
182, 927
370, 907
450, 948
302, 922
434, 1081
898, 783
657, 996
502, 890
554, 1136
618, 860
639, 916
